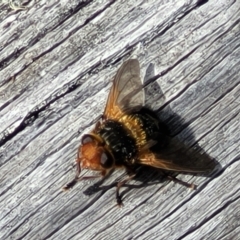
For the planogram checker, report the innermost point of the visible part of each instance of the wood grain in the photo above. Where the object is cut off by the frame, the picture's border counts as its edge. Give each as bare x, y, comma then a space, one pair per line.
57, 62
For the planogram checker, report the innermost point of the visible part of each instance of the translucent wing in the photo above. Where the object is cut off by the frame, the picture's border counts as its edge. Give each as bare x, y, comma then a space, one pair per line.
177, 157
126, 93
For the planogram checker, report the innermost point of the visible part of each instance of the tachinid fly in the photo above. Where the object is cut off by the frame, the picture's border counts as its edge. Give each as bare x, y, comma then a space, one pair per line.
129, 134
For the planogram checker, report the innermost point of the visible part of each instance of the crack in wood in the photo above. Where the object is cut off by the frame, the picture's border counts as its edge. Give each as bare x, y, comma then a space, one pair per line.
210, 217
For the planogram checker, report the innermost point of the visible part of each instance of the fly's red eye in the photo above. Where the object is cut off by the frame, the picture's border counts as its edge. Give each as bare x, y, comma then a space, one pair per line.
87, 139
106, 160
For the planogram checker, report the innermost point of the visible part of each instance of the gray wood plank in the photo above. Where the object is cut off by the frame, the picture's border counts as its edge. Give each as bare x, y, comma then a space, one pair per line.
56, 66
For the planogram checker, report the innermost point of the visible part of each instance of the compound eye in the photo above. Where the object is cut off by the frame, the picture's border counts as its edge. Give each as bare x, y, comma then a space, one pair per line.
106, 160
87, 139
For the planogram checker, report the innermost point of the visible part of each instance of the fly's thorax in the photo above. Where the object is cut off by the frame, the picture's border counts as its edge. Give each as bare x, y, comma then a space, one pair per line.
119, 140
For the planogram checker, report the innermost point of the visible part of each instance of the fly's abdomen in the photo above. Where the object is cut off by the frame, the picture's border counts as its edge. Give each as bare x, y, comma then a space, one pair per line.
119, 140
153, 128
145, 127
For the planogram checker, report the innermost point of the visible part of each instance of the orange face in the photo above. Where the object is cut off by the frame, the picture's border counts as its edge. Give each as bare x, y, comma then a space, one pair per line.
93, 154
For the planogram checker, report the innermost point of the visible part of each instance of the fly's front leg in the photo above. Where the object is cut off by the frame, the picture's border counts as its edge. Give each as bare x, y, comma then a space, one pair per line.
78, 179
70, 184
75, 180
103, 175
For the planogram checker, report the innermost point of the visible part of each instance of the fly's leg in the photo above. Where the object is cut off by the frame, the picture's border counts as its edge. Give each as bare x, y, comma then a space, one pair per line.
103, 175
75, 180
78, 179
120, 184
188, 185
69, 185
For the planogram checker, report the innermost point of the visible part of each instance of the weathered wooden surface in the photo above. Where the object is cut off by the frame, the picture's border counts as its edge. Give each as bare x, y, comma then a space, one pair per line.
57, 61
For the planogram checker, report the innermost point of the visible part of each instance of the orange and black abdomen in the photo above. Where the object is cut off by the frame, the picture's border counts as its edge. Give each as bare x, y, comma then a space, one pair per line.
154, 129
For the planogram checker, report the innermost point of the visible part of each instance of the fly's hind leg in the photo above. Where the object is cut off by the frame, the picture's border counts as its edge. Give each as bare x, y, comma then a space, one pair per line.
131, 175
188, 185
